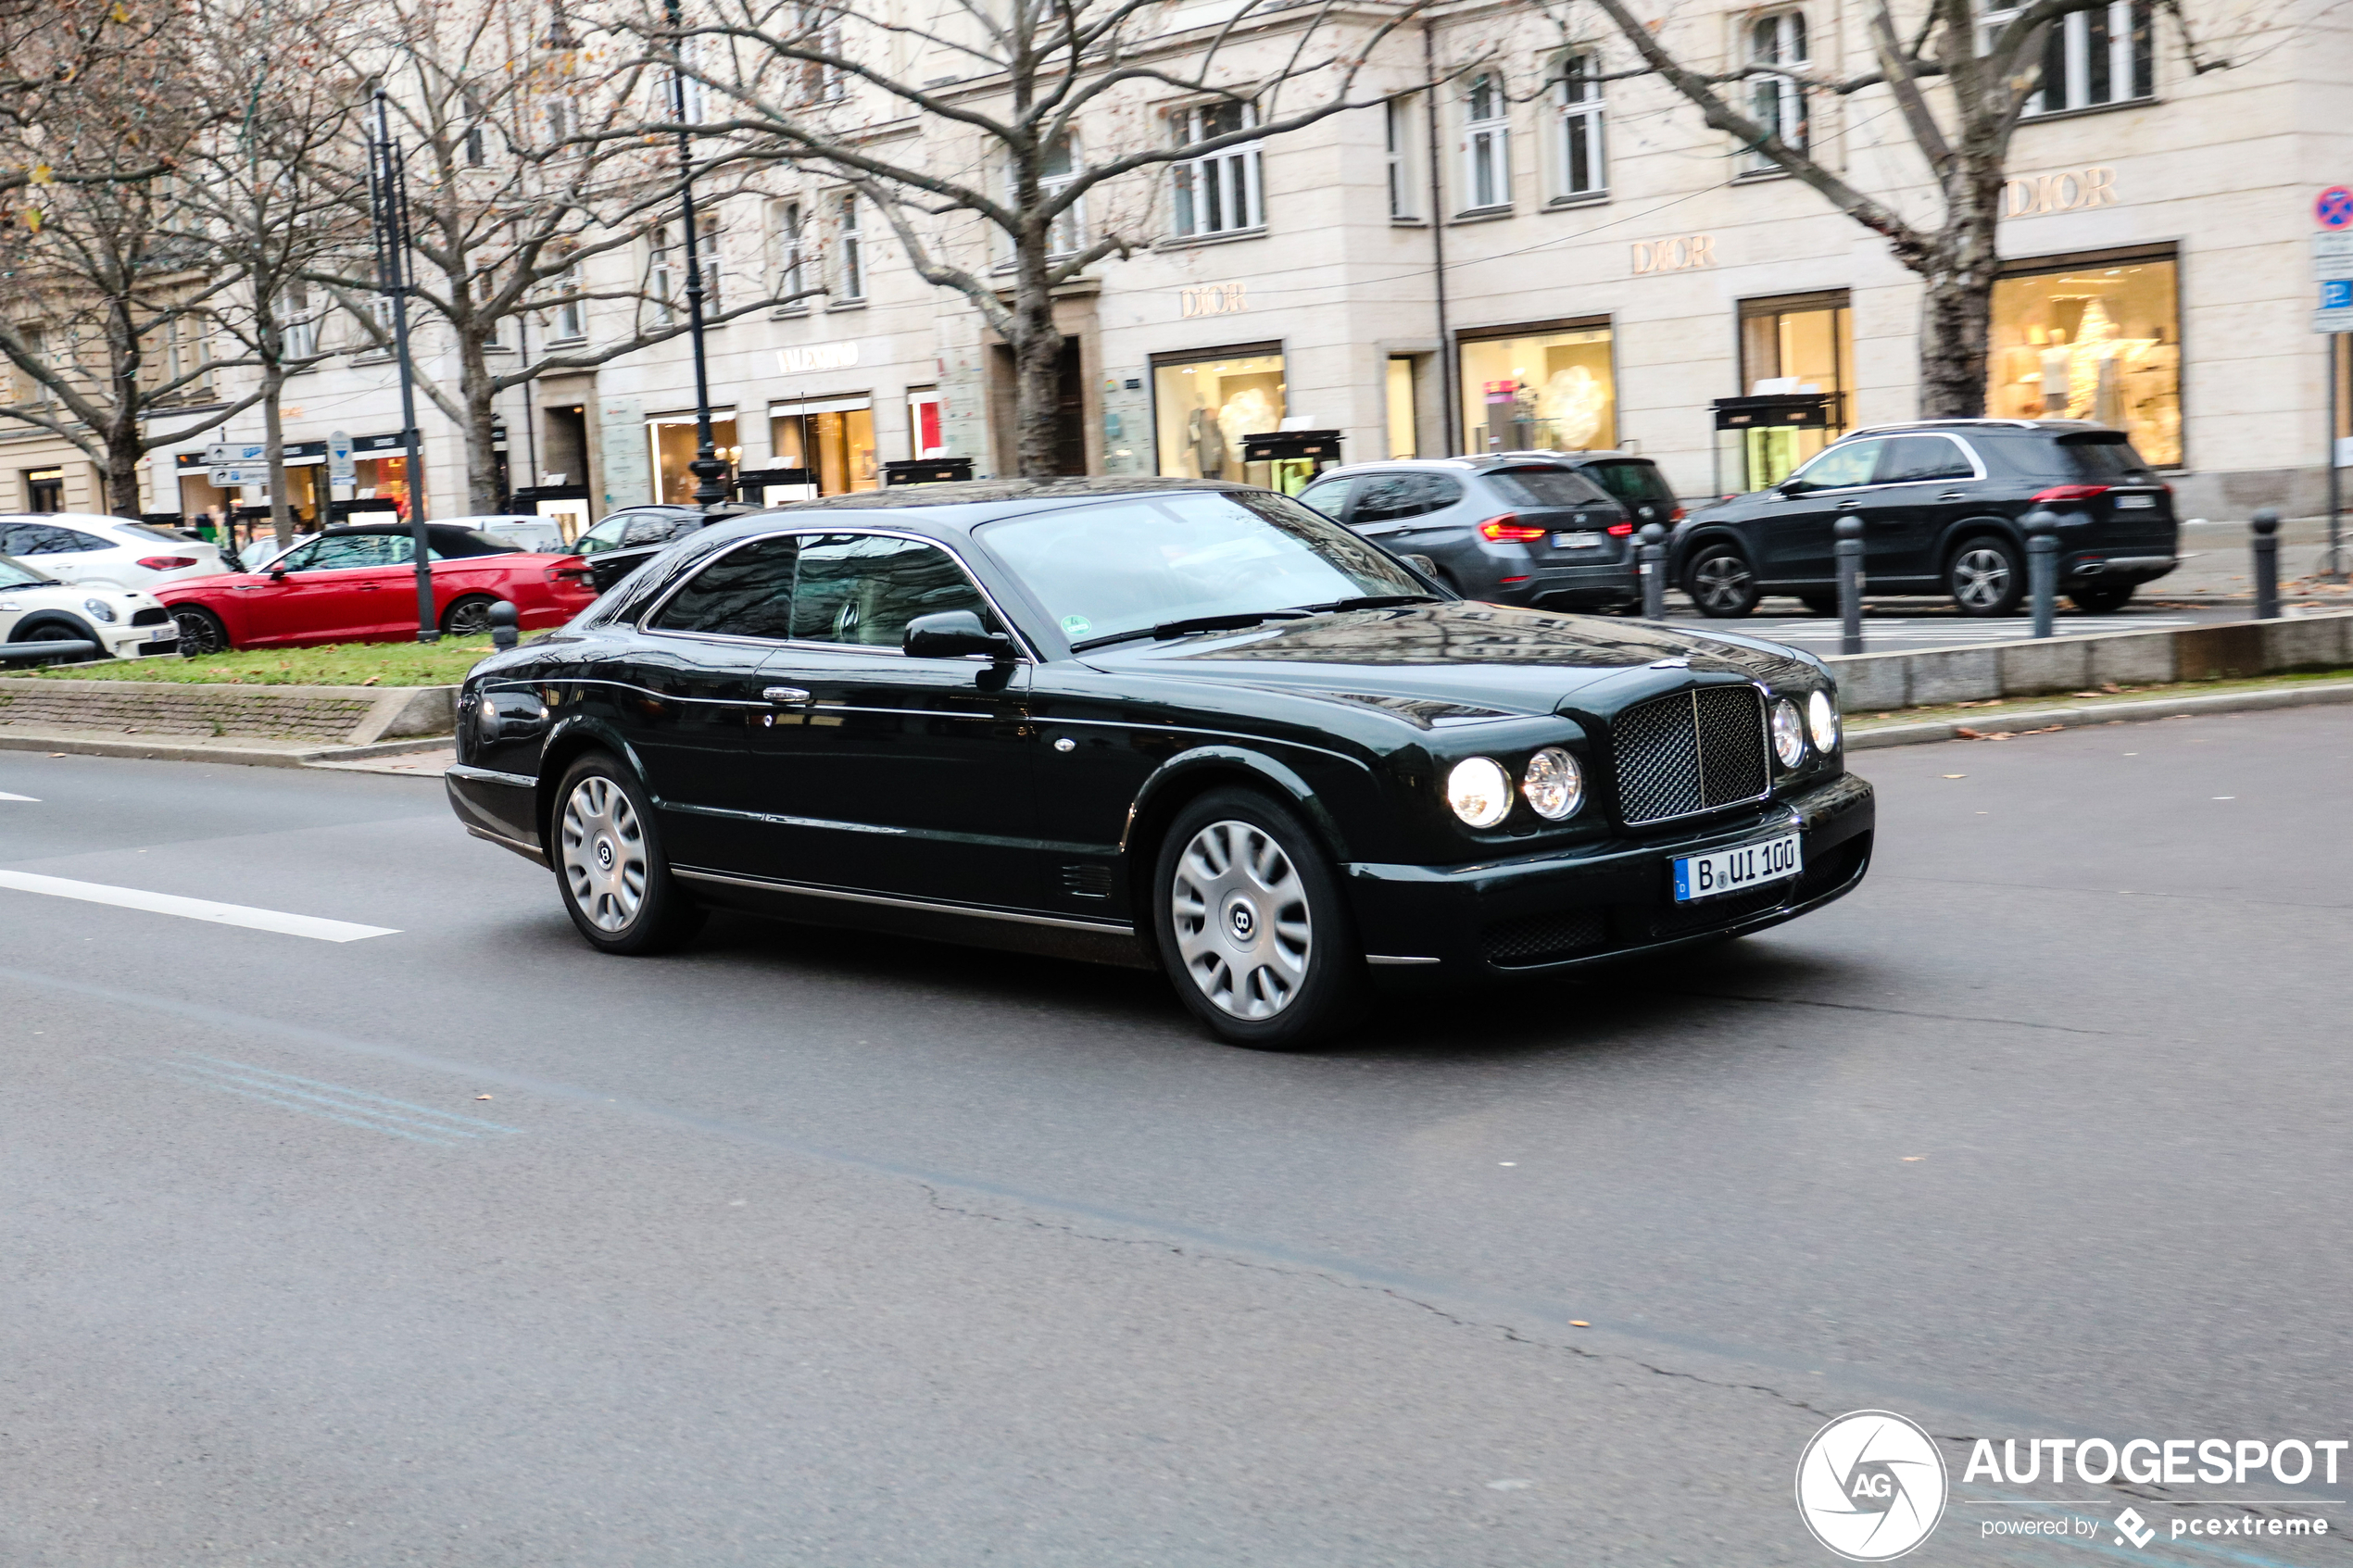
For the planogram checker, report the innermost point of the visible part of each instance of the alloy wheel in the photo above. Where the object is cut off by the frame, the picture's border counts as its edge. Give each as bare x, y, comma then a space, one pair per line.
1720, 581
1240, 914
470, 618
604, 853
199, 634
1981, 578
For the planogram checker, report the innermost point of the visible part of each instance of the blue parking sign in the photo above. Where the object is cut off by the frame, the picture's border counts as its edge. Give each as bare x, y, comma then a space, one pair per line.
2336, 293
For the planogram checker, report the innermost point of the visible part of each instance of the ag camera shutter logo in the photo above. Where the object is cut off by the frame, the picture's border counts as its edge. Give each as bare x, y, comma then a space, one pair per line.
1871, 1485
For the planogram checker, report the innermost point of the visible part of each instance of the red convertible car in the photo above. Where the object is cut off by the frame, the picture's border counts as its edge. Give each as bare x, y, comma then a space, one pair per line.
360, 585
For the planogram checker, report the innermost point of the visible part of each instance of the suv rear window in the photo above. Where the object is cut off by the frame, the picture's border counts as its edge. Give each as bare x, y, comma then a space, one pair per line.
2101, 458
1631, 480
1545, 487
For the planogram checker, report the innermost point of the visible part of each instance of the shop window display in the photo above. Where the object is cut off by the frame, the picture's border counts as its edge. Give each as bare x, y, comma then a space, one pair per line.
674, 441
832, 437
1551, 391
2092, 342
1207, 406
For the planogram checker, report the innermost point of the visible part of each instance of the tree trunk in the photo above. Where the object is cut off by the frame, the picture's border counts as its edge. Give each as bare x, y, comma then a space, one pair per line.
1956, 278
125, 448
1037, 344
481, 413
273, 436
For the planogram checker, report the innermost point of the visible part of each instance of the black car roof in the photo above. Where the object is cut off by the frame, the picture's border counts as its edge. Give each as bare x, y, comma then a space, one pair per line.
964, 504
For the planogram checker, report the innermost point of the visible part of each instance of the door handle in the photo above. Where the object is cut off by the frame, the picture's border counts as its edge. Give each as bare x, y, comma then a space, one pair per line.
370, 587
783, 695
1850, 506
1953, 495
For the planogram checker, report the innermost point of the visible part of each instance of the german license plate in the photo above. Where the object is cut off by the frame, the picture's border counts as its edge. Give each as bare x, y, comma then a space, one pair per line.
1738, 868
163, 634
1578, 541
2136, 500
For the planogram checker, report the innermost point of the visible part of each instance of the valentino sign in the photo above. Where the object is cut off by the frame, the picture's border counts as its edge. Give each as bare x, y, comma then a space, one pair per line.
800, 361
2070, 190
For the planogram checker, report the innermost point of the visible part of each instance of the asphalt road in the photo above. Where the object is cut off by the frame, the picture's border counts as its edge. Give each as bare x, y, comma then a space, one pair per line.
462, 1245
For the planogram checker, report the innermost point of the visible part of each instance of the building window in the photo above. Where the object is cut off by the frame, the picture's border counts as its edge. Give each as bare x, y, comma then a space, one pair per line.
1206, 403
2094, 337
1577, 94
1399, 398
1795, 344
1403, 188
477, 135
850, 261
661, 276
923, 437
1778, 103
832, 437
1487, 145
2106, 55
1053, 179
569, 322
297, 323
1218, 192
674, 439
708, 251
1549, 388
44, 490
787, 266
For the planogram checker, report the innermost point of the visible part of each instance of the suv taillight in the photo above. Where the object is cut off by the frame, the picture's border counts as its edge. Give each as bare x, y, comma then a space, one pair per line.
1509, 530
1621, 530
167, 563
2072, 492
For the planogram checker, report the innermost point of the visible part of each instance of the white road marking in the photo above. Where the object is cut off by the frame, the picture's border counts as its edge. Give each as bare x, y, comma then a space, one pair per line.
33, 798
195, 909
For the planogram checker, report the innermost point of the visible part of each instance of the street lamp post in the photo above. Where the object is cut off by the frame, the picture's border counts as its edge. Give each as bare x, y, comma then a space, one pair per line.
708, 469
389, 187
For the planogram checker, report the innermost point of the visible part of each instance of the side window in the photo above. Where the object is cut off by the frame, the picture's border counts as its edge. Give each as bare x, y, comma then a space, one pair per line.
44, 539
68, 541
652, 528
1385, 497
1849, 462
863, 588
745, 592
1909, 459
606, 535
1327, 496
359, 550
1438, 492
20, 539
298, 558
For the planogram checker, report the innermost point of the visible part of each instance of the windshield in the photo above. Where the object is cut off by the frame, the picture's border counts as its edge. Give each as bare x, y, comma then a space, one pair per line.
14, 574
1148, 560
1544, 487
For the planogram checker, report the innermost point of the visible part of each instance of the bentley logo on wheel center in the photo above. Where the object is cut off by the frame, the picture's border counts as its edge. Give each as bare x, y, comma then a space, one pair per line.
1871, 1485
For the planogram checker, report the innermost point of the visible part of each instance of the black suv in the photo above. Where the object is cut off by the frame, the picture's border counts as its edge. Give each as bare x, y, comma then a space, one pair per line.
1940, 503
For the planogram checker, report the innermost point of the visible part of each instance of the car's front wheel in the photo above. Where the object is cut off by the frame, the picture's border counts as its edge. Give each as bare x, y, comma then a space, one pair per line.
1721, 583
1251, 927
1986, 576
617, 885
201, 632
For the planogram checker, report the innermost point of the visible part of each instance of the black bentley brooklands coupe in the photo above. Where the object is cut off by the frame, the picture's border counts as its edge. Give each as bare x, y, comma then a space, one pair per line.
1182, 724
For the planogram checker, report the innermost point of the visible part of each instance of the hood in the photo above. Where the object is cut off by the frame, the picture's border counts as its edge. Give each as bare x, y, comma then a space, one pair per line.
1467, 656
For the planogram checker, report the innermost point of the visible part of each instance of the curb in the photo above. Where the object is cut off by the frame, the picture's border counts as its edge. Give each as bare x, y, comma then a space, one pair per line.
241, 755
2087, 715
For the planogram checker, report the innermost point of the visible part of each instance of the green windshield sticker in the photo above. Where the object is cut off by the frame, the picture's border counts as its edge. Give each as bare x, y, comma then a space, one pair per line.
1075, 624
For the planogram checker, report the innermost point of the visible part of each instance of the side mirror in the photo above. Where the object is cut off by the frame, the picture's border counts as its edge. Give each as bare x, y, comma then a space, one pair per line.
277, 573
1793, 486
952, 633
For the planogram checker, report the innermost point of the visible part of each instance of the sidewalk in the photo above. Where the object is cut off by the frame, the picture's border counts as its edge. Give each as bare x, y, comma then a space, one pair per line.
244, 750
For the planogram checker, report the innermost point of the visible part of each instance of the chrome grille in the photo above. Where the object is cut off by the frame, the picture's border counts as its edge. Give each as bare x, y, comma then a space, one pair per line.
1690, 752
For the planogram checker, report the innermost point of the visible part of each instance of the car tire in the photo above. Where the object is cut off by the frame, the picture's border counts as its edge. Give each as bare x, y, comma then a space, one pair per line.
1819, 604
2102, 601
467, 616
1251, 927
1986, 576
201, 632
614, 879
54, 628
1721, 583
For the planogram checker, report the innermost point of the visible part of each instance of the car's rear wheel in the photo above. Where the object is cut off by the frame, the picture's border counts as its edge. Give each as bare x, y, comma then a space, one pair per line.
1986, 576
469, 616
1819, 604
201, 632
617, 885
2106, 600
1721, 583
1251, 927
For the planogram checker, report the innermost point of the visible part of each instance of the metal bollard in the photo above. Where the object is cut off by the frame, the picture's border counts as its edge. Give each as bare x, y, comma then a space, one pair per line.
2265, 525
502, 626
2042, 567
1652, 554
1850, 583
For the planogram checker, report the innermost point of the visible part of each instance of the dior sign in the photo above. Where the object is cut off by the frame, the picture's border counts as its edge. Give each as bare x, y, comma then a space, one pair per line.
1678, 255
2070, 190
1212, 299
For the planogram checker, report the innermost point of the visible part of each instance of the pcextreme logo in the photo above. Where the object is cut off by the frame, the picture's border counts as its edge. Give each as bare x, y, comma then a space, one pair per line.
1871, 1485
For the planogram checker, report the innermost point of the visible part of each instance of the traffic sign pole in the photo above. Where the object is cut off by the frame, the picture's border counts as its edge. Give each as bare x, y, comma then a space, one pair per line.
2333, 266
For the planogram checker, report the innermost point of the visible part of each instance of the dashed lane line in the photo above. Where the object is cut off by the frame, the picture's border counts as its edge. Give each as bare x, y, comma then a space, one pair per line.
195, 909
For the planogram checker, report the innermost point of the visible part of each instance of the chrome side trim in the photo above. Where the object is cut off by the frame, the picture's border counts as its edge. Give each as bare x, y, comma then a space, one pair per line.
774, 819
929, 906
1389, 958
528, 851
491, 775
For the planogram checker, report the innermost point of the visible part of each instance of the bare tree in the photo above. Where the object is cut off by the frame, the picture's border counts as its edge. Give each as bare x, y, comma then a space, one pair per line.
107, 280
1028, 107
528, 171
1959, 83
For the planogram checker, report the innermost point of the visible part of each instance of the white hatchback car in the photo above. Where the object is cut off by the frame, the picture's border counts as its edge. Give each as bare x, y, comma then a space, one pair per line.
125, 624
539, 534
84, 548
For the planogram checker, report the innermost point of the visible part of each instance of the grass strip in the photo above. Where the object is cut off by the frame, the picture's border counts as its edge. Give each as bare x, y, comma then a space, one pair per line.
336, 664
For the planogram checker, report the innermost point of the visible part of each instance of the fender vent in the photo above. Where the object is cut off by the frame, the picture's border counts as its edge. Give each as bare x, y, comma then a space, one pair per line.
1087, 882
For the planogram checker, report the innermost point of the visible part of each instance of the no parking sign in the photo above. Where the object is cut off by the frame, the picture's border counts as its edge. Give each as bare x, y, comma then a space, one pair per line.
2335, 208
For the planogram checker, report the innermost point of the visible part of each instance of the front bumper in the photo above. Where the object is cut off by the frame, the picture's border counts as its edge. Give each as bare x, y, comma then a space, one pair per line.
1601, 902
137, 642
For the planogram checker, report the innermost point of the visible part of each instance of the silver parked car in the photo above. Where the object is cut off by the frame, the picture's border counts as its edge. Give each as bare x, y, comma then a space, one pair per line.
1514, 528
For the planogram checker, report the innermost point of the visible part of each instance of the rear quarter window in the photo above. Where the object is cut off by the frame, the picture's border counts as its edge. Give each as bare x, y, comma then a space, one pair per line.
1545, 487
1630, 480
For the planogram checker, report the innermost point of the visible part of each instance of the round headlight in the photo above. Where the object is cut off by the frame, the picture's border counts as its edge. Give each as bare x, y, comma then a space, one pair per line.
1554, 784
100, 608
1789, 734
1821, 717
1479, 792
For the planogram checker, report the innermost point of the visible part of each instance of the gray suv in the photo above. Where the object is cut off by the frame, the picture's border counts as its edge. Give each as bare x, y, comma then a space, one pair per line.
1514, 528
